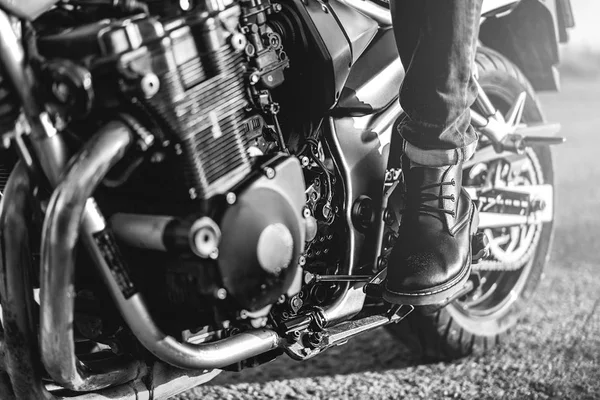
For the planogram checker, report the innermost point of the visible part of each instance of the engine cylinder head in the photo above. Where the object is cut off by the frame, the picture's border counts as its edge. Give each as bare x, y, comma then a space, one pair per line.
202, 100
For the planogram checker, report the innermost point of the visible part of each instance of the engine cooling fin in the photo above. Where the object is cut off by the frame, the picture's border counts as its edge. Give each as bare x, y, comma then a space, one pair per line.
206, 114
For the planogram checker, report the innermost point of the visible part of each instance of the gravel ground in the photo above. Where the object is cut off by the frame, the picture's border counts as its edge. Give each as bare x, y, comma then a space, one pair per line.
552, 354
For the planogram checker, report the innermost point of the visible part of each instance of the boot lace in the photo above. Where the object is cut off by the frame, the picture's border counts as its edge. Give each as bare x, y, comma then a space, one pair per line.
427, 196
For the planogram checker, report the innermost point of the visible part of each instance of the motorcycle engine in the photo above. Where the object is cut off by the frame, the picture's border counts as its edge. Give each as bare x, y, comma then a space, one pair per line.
197, 87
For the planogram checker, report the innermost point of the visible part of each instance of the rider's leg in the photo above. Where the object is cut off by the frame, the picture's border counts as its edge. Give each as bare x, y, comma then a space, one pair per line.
436, 41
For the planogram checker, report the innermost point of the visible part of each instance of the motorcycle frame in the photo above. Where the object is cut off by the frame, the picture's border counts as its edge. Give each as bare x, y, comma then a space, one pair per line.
20, 352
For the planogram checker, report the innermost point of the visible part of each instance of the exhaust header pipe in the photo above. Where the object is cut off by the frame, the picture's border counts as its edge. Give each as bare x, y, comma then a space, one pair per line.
21, 358
59, 237
71, 214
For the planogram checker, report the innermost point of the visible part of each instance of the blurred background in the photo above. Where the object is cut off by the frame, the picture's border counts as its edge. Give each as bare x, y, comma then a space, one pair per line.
581, 56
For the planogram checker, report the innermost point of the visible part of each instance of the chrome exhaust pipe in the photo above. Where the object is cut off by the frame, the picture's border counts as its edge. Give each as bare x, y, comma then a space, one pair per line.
20, 338
52, 155
49, 147
72, 212
57, 295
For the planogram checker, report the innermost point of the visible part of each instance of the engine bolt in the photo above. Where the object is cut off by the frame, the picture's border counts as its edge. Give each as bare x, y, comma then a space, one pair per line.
270, 172
388, 176
150, 84
301, 261
296, 303
275, 41
185, 5
145, 141
205, 236
294, 336
304, 161
250, 50
538, 205
243, 314
306, 212
221, 293
238, 41
281, 299
390, 239
315, 339
231, 198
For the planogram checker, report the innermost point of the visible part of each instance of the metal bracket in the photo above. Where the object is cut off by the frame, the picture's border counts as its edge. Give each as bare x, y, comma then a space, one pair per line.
340, 334
507, 133
314, 278
307, 344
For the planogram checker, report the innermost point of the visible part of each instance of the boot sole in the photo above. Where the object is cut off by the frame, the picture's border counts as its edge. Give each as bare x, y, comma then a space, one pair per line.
437, 294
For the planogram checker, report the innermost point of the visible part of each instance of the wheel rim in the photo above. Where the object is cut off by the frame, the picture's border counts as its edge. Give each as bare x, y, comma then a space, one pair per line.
512, 249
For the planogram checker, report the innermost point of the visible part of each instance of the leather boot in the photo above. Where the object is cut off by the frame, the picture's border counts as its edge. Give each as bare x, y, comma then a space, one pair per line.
431, 260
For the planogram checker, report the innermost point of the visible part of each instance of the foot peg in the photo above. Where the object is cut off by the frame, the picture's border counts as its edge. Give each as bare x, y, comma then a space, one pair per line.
507, 133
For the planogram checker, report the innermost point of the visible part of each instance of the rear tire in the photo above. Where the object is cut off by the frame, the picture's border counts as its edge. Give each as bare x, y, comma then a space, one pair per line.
452, 332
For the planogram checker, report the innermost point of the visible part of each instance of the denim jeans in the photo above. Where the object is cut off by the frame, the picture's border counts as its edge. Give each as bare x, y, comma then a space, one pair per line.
437, 41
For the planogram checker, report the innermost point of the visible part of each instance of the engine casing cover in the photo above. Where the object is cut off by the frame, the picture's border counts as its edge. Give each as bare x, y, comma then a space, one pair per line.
263, 235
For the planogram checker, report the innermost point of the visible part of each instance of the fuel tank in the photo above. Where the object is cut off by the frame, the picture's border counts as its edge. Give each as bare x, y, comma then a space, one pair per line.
324, 40
345, 32
27, 9
374, 79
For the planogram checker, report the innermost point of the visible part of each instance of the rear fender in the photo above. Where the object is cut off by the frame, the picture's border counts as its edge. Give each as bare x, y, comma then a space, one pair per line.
528, 36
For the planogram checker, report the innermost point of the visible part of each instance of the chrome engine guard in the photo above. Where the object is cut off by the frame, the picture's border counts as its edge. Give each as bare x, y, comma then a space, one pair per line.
19, 350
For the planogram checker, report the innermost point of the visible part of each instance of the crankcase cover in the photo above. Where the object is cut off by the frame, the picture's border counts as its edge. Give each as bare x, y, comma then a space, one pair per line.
263, 236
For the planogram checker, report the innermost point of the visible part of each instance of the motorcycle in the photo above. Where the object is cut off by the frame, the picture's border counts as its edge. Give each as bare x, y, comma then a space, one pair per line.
197, 186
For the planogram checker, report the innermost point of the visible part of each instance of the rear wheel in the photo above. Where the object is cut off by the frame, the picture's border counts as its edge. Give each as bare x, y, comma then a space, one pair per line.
513, 270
